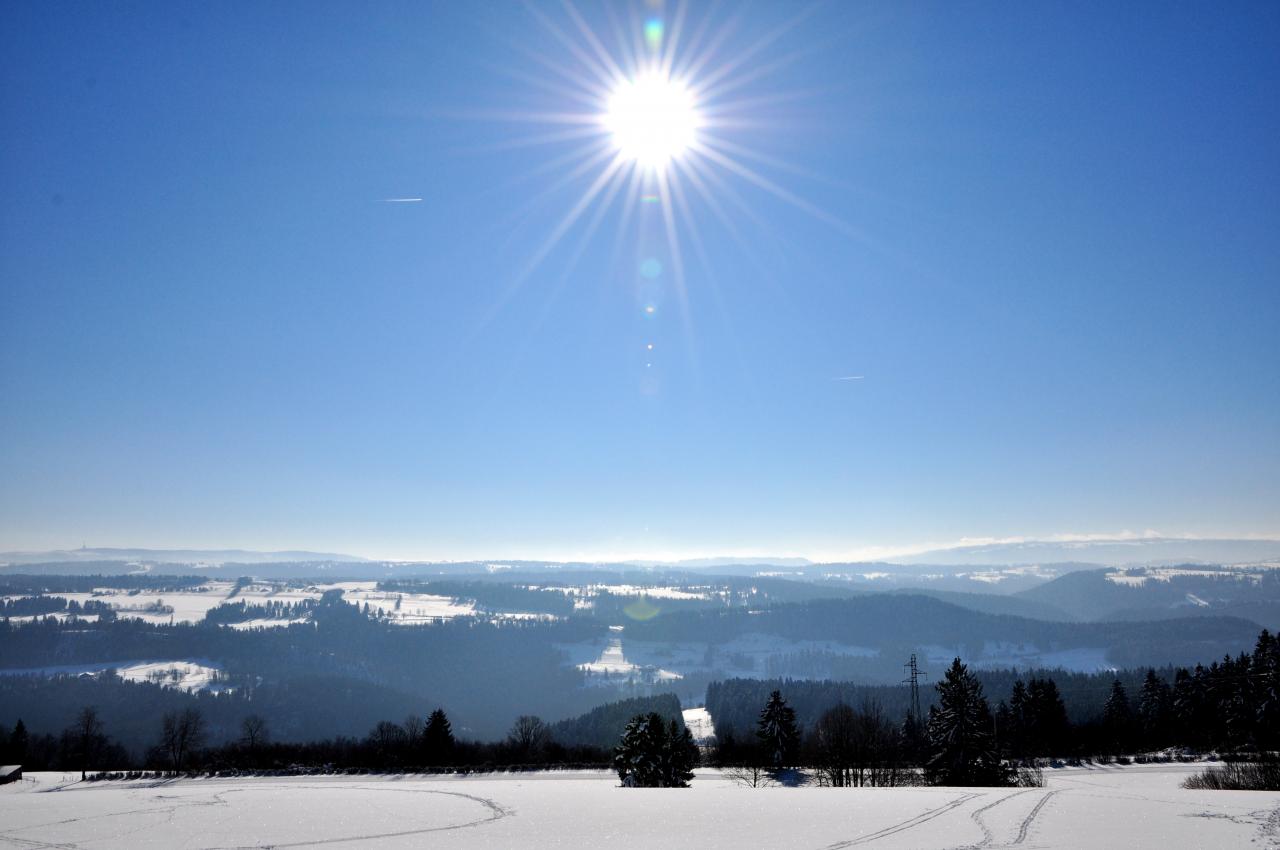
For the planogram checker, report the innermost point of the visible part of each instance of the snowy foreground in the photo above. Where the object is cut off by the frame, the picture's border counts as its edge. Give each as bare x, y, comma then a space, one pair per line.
1130, 807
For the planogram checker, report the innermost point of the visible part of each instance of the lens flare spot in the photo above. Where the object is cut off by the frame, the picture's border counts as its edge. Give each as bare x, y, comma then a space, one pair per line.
649, 309
653, 33
651, 268
642, 609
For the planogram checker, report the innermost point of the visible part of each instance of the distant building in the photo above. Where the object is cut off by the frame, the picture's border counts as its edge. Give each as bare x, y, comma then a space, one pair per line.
10, 773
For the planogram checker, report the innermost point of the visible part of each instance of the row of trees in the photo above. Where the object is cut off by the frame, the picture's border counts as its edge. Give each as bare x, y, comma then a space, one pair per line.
1233, 705
855, 748
414, 744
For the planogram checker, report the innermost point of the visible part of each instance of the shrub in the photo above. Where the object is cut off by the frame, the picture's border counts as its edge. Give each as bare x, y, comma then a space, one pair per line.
1260, 775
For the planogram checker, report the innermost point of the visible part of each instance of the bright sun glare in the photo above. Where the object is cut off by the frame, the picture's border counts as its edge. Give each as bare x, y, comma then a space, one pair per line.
653, 119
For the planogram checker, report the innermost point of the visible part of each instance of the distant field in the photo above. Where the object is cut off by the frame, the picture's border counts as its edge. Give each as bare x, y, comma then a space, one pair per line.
1132, 807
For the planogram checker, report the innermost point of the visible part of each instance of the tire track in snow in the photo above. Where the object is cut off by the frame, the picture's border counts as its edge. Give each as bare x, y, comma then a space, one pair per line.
904, 825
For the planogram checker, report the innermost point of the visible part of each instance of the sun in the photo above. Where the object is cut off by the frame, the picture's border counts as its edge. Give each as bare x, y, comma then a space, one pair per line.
653, 119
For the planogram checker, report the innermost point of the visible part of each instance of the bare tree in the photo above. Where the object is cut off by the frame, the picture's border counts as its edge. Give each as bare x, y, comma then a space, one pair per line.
834, 740
87, 738
529, 736
413, 727
181, 734
856, 748
742, 761
253, 732
387, 740
878, 748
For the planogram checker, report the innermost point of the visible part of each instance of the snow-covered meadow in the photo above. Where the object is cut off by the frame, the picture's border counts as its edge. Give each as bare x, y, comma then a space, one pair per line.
1129, 807
186, 674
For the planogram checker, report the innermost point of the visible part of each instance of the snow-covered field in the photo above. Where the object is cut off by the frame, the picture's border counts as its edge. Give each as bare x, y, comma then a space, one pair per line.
190, 606
194, 674
698, 721
1132, 807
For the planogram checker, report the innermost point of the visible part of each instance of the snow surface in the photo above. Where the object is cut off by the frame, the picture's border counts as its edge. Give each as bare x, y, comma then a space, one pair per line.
745, 655
698, 722
186, 674
998, 655
613, 663
1131, 807
191, 606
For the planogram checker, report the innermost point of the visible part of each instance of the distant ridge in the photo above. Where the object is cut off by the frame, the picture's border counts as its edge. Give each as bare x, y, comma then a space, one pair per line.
703, 563
1143, 551
173, 556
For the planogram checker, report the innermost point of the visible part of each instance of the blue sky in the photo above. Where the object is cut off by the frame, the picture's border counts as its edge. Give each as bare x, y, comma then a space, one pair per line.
1043, 234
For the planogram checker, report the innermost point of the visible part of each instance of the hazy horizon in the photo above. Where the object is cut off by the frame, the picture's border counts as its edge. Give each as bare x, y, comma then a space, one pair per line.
1084, 543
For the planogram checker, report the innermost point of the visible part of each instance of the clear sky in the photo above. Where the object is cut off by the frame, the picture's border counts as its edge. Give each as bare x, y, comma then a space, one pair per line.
1043, 237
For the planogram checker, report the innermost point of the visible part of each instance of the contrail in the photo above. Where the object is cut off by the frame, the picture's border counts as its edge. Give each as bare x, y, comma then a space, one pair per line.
849, 378
401, 200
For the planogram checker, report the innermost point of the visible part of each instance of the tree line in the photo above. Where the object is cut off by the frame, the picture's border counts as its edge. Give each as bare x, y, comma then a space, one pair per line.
180, 741
1231, 706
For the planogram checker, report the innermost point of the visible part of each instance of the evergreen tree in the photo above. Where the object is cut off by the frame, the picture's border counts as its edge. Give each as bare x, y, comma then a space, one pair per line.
960, 734
1047, 730
1236, 702
1266, 668
1005, 737
777, 731
437, 738
651, 755
1117, 718
1019, 713
1153, 711
680, 757
1189, 707
18, 741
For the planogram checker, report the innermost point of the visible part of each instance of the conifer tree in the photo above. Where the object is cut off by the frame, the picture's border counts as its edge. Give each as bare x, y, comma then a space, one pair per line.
960, 734
651, 755
680, 757
18, 742
777, 731
1048, 729
1153, 710
1117, 716
1266, 668
1020, 712
437, 738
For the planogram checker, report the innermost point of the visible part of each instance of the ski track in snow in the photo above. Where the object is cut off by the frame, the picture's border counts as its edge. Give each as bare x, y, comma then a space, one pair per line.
495, 812
988, 837
1031, 817
904, 825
